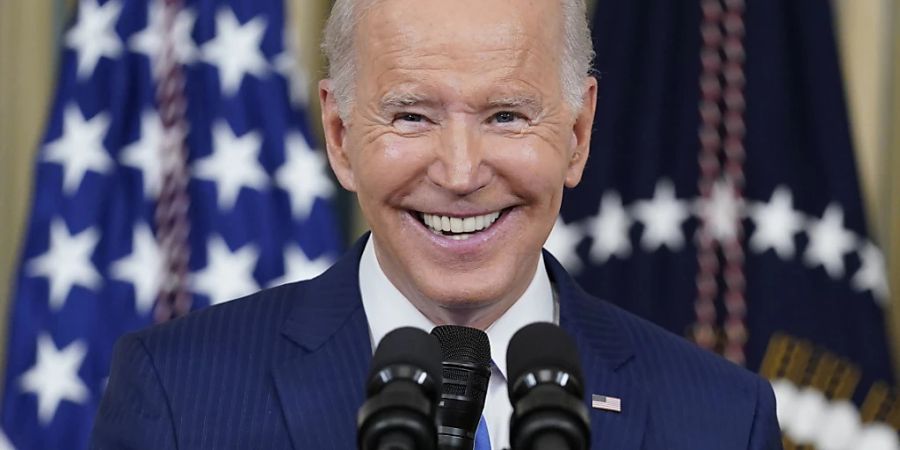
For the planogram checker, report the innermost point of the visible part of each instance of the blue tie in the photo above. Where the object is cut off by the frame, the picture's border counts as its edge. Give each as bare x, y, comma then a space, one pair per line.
482, 437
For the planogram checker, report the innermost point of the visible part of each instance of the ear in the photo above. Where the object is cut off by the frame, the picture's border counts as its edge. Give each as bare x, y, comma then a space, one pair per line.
581, 133
335, 133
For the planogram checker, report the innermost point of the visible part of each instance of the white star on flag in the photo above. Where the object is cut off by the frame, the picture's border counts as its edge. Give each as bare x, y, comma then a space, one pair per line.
80, 147
94, 34
829, 241
872, 275
149, 41
297, 266
776, 224
722, 211
54, 377
228, 275
235, 50
662, 218
143, 268
67, 262
145, 153
234, 164
4, 442
610, 229
303, 175
561, 243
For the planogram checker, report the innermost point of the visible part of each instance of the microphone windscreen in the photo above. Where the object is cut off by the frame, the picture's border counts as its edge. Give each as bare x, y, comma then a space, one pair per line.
541, 345
408, 346
463, 344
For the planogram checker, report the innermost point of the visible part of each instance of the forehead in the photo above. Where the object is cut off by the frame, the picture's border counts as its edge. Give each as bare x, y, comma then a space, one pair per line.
483, 39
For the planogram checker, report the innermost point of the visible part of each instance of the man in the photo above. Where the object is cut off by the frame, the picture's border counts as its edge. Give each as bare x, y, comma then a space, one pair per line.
458, 124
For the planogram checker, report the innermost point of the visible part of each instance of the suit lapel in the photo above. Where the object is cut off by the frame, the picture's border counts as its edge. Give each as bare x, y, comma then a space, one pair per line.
606, 352
321, 385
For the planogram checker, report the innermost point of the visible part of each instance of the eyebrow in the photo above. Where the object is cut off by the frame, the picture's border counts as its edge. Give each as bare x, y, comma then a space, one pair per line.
400, 100
516, 101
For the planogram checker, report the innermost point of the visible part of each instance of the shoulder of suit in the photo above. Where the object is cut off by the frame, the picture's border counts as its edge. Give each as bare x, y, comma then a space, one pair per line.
223, 326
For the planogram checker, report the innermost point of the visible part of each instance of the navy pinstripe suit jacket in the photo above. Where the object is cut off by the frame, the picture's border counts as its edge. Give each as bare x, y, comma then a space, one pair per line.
285, 369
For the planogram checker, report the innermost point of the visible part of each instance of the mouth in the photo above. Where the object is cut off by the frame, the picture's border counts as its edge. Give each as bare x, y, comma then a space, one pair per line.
458, 228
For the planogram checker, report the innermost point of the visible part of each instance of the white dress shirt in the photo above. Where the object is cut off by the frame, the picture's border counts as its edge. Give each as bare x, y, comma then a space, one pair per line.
386, 309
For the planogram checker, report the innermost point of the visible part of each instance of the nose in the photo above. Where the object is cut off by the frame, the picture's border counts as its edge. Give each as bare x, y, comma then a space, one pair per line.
459, 166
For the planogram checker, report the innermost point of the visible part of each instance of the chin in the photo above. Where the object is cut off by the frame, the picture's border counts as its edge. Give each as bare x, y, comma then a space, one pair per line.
467, 290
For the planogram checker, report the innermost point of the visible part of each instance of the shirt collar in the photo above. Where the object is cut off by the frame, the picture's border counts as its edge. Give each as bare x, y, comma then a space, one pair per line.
537, 304
386, 308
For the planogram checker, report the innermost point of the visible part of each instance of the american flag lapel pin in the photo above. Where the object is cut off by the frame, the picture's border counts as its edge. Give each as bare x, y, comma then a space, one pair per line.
606, 403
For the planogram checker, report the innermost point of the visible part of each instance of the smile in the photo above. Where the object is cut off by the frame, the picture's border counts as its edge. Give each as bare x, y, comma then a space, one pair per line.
458, 228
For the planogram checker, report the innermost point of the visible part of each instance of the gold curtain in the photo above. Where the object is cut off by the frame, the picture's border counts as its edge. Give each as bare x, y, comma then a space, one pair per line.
891, 178
28, 52
868, 39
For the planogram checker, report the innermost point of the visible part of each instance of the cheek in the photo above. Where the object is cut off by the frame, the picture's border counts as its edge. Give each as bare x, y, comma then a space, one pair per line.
531, 165
390, 165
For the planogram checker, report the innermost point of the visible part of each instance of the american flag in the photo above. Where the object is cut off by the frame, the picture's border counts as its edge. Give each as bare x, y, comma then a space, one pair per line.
721, 201
176, 171
606, 403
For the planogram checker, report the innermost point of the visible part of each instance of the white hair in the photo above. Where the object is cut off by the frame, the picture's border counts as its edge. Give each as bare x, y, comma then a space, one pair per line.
338, 45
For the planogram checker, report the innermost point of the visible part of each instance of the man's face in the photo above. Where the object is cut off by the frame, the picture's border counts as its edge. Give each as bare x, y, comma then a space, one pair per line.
459, 119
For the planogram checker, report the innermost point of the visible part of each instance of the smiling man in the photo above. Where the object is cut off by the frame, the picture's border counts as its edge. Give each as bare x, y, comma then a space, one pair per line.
458, 136
458, 124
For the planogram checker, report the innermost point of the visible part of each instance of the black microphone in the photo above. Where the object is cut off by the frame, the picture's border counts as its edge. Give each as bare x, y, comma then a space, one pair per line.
403, 390
546, 391
466, 354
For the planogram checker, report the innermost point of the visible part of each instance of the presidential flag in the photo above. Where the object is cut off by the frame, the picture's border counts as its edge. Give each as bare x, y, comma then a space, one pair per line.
176, 171
721, 201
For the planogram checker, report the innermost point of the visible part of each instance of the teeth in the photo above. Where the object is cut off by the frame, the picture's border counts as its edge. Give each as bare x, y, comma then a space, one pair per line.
468, 224
447, 224
456, 225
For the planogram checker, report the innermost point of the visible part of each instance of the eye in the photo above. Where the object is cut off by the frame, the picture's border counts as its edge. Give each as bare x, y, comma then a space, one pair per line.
506, 117
410, 117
